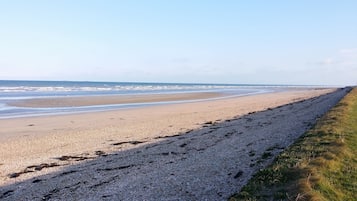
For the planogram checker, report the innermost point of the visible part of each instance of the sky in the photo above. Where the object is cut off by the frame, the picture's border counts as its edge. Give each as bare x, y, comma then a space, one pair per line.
186, 41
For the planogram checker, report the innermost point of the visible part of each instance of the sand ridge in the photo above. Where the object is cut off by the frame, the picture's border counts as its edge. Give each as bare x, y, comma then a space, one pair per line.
79, 101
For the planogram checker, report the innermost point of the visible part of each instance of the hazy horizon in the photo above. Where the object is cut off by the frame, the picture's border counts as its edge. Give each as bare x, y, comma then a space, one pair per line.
183, 83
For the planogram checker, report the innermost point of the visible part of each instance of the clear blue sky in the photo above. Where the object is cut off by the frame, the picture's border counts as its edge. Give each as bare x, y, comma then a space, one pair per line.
252, 42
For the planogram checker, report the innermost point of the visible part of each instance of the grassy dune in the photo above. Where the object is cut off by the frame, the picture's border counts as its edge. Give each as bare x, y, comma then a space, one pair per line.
321, 165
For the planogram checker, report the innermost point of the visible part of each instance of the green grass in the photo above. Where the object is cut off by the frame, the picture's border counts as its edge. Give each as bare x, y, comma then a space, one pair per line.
321, 165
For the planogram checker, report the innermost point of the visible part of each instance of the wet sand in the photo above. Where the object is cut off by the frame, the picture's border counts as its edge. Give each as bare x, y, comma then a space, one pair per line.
111, 99
179, 151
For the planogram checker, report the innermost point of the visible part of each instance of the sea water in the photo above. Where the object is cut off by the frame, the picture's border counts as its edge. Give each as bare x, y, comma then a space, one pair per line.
19, 90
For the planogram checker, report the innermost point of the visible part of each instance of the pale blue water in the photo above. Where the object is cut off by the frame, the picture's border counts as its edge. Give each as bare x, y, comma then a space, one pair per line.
16, 90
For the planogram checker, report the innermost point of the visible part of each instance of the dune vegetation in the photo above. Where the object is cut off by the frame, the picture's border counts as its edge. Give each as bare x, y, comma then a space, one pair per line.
321, 165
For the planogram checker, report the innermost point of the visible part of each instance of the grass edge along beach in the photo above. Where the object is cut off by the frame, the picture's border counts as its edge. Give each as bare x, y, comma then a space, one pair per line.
321, 165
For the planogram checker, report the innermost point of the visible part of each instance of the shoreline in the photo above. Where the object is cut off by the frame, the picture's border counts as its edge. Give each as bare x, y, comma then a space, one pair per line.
80, 101
52, 106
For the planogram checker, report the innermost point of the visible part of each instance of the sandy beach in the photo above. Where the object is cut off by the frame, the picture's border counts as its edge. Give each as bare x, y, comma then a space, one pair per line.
191, 151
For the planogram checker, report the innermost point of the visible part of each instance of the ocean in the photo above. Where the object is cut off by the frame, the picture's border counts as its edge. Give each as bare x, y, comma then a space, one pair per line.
20, 90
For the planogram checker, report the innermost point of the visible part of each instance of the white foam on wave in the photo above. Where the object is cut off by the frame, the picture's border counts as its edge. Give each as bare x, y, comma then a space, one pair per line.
133, 87
5, 107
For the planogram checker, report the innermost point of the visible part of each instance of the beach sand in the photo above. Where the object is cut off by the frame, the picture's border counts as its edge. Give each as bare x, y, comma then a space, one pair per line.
190, 151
